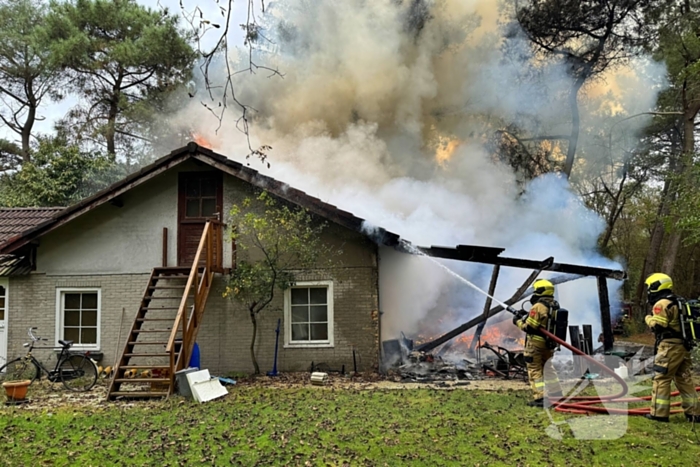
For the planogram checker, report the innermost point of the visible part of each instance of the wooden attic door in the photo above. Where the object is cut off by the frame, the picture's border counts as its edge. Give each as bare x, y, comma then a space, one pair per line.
200, 198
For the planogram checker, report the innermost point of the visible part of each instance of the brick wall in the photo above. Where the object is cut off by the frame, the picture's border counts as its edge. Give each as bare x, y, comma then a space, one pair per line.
33, 303
226, 330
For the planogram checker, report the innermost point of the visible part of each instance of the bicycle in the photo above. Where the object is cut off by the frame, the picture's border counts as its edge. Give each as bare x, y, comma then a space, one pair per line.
75, 370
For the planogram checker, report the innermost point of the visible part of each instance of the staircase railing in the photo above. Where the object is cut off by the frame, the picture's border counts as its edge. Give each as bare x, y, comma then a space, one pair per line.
208, 259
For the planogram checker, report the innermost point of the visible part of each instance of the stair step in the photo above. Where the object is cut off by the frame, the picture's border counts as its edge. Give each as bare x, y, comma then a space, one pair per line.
137, 394
139, 331
156, 319
158, 287
172, 268
142, 380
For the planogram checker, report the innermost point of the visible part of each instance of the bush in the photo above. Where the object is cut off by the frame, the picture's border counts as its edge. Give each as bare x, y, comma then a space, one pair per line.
634, 326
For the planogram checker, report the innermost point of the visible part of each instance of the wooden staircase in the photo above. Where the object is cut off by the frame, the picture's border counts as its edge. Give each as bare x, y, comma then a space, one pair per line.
164, 331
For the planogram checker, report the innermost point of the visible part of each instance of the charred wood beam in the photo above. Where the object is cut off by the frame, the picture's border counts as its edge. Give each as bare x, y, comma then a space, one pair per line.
428, 346
605, 320
588, 337
487, 307
489, 255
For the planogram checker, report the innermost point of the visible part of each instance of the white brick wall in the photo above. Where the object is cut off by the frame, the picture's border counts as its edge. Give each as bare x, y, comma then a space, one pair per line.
225, 334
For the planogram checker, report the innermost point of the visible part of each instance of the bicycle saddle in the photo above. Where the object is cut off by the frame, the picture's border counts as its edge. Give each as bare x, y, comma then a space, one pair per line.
66, 343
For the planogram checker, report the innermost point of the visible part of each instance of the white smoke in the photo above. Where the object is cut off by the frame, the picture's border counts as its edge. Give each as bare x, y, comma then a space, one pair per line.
372, 89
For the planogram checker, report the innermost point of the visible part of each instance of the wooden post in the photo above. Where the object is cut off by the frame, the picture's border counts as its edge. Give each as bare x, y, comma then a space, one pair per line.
487, 308
574, 338
588, 337
209, 245
165, 247
605, 313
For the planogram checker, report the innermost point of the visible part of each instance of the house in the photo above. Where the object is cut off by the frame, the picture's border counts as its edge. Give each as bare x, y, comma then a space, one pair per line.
114, 274
14, 221
136, 273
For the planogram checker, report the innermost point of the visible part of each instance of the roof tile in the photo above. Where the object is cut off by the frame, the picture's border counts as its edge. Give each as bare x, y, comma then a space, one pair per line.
14, 221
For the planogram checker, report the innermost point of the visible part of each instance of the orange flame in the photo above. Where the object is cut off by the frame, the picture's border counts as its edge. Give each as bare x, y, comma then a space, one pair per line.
503, 335
202, 141
445, 150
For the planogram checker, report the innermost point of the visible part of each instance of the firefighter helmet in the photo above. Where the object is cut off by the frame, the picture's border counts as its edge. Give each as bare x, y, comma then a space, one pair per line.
544, 288
658, 282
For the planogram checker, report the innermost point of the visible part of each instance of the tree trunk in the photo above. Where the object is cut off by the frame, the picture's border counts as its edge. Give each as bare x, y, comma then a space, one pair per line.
575, 126
254, 320
112, 124
614, 214
668, 264
29, 122
691, 111
657, 238
112, 117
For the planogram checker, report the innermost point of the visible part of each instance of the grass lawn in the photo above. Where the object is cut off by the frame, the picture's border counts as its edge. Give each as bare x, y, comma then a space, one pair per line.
320, 426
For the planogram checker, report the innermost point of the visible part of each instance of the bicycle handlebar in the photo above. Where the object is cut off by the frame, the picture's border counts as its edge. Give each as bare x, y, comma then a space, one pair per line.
33, 337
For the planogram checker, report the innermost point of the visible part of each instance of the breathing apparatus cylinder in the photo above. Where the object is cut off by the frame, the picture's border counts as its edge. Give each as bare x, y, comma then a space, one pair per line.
561, 323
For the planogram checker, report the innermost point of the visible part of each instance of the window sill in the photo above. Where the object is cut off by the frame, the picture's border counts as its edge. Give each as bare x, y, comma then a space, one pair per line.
309, 345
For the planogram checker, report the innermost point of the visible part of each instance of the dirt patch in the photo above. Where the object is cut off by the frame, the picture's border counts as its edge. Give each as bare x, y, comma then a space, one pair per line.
646, 338
44, 395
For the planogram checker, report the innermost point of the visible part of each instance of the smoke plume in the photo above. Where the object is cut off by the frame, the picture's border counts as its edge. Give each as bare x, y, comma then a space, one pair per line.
386, 109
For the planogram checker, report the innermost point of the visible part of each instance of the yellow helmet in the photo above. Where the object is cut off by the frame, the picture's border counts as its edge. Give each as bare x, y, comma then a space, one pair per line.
658, 282
544, 288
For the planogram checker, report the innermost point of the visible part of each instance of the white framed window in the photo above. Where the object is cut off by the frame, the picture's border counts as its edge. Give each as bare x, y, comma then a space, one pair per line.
78, 317
308, 314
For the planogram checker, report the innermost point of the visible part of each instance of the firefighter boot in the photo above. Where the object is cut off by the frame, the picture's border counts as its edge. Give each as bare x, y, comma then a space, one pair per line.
692, 418
656, 419
536, 403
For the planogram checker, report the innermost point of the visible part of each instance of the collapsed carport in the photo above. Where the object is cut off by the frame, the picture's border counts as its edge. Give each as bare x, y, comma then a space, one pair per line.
492, 256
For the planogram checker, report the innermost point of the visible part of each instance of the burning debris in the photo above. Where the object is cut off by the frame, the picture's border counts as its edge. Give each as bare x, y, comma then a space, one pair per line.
422, 367
455, 361
489, 361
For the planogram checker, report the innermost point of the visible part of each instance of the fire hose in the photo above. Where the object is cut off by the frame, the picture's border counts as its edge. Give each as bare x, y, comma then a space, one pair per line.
588, 404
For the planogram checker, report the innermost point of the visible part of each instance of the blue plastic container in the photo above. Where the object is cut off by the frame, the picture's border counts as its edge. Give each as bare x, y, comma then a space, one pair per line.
194, 359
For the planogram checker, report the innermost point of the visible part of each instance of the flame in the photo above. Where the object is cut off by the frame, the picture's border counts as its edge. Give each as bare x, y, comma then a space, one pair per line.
202, 141
445, 149
503, 334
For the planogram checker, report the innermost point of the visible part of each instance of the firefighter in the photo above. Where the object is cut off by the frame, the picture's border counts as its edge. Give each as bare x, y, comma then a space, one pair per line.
538, 349
672, 355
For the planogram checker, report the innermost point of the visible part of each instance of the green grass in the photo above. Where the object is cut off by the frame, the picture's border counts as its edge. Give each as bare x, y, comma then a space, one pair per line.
313, 426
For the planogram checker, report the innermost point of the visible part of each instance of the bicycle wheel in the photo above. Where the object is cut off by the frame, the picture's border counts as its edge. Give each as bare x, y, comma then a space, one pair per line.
78, 373
19, 369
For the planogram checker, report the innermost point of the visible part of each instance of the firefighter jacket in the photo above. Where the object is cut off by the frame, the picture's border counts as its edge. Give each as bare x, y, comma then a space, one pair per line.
665, 322
536, 319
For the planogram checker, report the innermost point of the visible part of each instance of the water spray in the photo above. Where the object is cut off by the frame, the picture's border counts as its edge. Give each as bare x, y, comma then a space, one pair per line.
414, 250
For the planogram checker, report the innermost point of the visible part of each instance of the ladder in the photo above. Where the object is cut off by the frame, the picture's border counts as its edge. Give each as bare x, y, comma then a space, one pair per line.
165, 328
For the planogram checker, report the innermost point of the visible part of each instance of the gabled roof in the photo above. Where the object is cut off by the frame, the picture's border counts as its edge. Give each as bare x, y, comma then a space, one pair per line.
14, 221
193, 151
